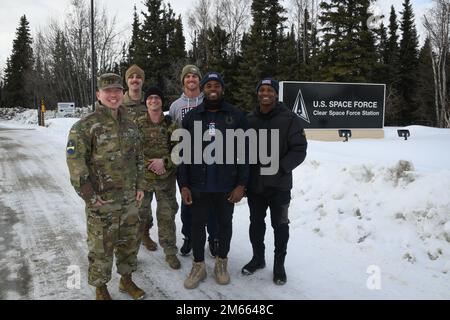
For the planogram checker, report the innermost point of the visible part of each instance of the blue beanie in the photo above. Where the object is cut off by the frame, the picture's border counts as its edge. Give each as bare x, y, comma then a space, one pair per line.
269, 82
212, 76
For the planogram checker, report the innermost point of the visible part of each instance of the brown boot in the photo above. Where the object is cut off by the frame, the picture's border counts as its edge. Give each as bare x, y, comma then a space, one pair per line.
148, 243
220, 271
101, 293
198, 273
126, 285
173, 261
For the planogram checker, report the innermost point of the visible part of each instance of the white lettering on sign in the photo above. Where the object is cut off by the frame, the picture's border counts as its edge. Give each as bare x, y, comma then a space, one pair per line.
320, 113
366, 104
371, 113
353, 113
337, 113
319, 104
340, 104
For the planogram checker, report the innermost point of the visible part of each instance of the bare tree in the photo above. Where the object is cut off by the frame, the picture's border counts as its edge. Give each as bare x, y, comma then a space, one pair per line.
199, 21
107, 40
437, 24
234, 17
200, 16
77, 31
301, 9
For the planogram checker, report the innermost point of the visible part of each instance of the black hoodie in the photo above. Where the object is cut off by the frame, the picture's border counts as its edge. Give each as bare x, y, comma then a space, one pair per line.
292, 142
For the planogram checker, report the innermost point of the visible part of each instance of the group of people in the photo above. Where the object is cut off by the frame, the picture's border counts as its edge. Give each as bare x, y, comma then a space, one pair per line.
122, 154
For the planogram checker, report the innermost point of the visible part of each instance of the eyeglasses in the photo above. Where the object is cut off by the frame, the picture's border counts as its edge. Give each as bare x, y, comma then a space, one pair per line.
154, 98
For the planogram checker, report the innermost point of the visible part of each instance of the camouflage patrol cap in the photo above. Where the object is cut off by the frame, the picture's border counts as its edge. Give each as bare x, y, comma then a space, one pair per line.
109, 81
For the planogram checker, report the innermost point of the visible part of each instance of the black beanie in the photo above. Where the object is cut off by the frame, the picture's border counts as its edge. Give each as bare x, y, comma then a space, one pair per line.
154, 91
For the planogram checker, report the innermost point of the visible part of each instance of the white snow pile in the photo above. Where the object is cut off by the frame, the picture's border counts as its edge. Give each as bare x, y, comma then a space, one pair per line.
30, 116
391, 208
10, 113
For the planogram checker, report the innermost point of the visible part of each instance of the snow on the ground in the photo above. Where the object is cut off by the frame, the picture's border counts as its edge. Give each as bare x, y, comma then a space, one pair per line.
370, 219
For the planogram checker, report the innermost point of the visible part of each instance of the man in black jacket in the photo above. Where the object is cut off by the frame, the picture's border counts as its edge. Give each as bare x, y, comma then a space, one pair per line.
211, 183
273, 191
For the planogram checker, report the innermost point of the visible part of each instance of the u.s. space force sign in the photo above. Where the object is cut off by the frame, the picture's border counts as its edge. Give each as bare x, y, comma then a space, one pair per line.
326, 105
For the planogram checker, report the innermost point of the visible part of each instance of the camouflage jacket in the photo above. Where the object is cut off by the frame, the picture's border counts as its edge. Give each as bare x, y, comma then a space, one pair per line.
104, 156
134, 109
156, 144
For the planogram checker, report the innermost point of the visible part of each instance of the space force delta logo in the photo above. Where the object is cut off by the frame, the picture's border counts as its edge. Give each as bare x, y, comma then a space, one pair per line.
300, 107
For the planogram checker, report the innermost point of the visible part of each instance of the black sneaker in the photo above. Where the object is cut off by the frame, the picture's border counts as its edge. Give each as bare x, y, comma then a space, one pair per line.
186, 247
253, 265
213, 247
279, 277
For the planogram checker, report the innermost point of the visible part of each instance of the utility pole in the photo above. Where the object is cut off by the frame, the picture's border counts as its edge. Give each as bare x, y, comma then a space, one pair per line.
93, 58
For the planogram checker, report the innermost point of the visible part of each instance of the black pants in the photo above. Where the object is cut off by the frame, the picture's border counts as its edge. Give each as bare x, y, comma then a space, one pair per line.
186, 219
278, 202
222, 209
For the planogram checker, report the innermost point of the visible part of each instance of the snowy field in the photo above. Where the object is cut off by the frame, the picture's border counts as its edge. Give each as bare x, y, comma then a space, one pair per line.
370, 219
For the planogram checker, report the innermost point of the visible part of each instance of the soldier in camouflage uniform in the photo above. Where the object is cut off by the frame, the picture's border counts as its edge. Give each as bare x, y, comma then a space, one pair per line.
105, 161
160, 173
134, 97
135, 104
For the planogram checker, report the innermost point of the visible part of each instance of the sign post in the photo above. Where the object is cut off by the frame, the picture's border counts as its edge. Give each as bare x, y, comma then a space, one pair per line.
66, 109
326, 107
42, 111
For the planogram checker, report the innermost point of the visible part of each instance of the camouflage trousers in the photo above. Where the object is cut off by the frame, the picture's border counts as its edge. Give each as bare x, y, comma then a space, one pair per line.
112, 228
166, 209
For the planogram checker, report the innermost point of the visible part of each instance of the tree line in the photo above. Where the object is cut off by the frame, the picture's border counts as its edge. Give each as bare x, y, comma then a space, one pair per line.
310, 40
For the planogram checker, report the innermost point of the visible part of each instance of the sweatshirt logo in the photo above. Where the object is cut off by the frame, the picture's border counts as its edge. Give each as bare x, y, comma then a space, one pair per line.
184, 111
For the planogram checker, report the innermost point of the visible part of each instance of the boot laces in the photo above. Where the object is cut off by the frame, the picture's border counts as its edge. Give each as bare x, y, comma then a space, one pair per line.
195, 270
221, 266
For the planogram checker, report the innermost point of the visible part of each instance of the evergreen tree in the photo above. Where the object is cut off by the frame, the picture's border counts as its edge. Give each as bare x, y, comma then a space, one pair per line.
176, 56
1, 92
391, 73
19, 69
135, 39
260, 50
408, 64
309, 46
218, 41
62, 68
391, 57
159, 46
382, 48
290, 65
149, 55
124, 63
211, 52
425, 112
348, 43
381, 69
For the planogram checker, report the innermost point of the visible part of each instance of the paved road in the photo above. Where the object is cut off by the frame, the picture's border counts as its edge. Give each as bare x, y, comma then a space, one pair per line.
38, 241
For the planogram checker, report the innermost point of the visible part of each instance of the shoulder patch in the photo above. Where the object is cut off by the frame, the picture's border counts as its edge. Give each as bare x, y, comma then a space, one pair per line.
71, 147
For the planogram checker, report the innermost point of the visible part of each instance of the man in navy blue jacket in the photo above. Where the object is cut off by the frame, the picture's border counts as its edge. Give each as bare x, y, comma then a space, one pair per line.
218, 185
273, 191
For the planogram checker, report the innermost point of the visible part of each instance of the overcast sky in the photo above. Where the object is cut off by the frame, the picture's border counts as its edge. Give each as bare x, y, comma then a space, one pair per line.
39, 13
